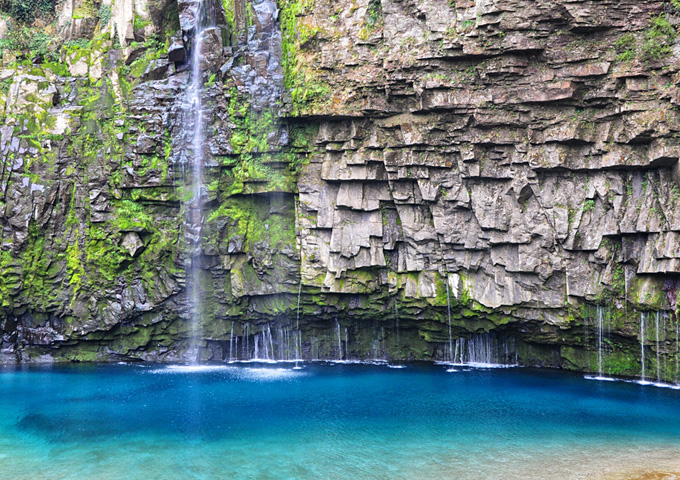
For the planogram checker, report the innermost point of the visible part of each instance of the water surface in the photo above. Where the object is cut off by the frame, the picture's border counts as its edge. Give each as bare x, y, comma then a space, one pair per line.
329, 421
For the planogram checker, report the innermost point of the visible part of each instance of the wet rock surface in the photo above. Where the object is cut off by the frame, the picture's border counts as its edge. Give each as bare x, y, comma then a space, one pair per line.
501, 167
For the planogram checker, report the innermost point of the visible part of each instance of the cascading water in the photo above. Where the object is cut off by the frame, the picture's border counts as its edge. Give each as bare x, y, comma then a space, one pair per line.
600, 329
658, 362
298, 339
600, 317
231, 343
484, 350
337, 329
396, 320
448, 311
346, 343
643, 320
194, 212
586, 333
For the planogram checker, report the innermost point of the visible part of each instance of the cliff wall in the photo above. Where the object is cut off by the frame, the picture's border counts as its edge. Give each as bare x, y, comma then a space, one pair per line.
384, 178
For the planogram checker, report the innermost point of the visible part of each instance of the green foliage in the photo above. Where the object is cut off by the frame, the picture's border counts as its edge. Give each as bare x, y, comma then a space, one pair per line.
131, 215
306, 88
5, 84
34, 43
104, 14
374, 14
656, 42
625, 48
77, 44
659, 38
26, 11
468, 24
140, 23
619, 280
252, 222
104, 253
229, 13
74, 264
588, 206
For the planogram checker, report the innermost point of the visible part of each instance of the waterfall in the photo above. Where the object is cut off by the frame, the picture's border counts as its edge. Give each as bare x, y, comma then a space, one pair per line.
448, 311
382, 340
337, 327
586, 336
272, 356
600, 328
396, 320
643, 319
346, 344
246, 344
298, 336
677, 346
231, 342
658, 362
194, 213
484, 349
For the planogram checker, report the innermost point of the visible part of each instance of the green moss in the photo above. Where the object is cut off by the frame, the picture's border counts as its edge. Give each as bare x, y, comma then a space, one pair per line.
655, 43
658, 39
74, 265
251, 222
307, 89
621, 362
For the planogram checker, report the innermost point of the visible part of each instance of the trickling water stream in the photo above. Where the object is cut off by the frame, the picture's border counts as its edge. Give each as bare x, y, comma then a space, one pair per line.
658, 362
448, 312
599, 340
337, 326
396, 321
643, 321
193, 206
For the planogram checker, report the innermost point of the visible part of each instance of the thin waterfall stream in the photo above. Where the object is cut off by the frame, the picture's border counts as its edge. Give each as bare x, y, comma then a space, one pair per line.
599, 341
337, 326
298, 335
658, 361
643, 320
448, 312
194, 211
396, 320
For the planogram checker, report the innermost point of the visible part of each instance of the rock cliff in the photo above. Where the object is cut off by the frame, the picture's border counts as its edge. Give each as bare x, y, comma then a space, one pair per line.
384, 178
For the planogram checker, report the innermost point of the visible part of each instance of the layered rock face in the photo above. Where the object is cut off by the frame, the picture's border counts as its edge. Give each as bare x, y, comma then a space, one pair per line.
383, 179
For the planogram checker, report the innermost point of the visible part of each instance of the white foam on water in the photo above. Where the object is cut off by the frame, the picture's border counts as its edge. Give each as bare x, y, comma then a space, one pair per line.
352, 362
268, 374
259, 360
396, 366
670, 386
488, 365
241, 373
192, 368
644, 383
601, 379
477, 365
451, 370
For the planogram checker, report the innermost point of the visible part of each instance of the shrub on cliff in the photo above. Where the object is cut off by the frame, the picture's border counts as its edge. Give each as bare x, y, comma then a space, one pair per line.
27, 11
37, 43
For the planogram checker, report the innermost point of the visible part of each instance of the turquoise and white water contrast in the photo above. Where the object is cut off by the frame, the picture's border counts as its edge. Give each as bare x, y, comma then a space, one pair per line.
251, 421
